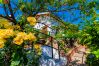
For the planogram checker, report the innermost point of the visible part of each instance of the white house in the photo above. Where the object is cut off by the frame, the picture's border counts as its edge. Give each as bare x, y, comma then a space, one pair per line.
44, 19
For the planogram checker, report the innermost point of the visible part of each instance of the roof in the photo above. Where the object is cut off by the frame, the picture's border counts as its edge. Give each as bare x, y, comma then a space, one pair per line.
43, 13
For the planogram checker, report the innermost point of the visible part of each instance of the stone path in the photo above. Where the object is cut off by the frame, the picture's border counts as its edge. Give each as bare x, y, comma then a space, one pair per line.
77, 56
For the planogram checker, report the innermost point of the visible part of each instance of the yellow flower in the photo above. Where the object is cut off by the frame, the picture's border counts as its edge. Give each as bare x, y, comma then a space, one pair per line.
2, 43
31, 20
37, 46
21, 34
25, 37
31, 37
2, 33
6, 33
32, 23
9, 33
2, 40
18, 40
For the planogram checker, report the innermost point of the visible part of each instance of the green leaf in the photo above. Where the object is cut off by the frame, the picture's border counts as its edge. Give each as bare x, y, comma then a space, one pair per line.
96, 53
1, 1
15, 63
15, 59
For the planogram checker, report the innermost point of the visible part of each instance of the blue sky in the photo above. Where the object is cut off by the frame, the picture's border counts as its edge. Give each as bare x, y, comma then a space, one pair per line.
67, 16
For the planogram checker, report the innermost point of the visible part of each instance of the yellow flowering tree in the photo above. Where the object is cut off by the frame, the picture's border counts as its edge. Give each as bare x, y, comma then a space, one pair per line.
17, 43
18, 38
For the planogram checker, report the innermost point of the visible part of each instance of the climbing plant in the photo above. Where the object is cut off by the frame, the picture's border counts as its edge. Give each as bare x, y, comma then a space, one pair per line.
18, 38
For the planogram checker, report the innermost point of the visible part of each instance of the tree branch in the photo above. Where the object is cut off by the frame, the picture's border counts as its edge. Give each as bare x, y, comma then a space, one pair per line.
11, 11
6, 17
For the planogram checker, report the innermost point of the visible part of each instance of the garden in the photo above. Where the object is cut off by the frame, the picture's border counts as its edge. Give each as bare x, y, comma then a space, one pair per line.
49, 33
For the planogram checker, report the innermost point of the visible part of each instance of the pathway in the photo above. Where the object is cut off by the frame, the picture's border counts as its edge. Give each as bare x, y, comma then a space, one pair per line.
77, 56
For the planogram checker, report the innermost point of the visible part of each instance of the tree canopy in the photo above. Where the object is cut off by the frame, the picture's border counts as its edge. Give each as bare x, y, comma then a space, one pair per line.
18, 18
